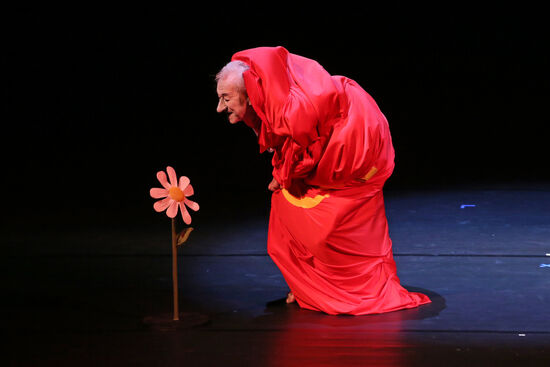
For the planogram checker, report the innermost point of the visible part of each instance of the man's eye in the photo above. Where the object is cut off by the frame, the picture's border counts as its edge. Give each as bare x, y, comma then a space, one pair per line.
226, 99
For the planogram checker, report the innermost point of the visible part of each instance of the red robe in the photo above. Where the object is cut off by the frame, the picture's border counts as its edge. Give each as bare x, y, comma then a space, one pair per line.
333, 152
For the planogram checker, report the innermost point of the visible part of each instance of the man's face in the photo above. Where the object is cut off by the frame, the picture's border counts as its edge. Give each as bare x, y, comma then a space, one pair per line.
231, 100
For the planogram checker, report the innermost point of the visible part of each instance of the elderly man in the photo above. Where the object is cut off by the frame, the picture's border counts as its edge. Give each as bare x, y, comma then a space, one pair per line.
332, 153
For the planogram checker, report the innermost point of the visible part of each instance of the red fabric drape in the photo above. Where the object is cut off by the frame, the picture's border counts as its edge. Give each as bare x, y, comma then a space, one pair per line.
328, 231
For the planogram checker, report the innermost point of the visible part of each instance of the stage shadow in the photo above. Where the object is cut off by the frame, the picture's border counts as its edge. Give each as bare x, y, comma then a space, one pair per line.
278, 311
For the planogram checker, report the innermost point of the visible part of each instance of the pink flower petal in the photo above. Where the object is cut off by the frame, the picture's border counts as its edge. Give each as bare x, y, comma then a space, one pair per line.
158, 193
191, 204
188, 191
185, 214
161, 205
172, 209
161, 176
172, 175
184, 182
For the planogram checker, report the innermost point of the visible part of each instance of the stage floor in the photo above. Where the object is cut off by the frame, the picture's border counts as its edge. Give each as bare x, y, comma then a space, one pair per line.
78, 295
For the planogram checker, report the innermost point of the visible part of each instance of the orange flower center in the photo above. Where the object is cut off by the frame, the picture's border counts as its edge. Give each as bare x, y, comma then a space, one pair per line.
176, 194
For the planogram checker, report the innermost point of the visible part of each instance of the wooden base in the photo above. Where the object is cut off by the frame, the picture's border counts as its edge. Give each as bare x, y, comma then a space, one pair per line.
166, 322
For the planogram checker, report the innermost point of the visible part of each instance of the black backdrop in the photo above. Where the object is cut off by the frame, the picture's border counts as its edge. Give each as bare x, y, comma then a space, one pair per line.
99, 99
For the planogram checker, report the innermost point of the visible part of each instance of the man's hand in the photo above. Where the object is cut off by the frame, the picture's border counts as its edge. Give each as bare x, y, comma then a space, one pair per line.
274, 185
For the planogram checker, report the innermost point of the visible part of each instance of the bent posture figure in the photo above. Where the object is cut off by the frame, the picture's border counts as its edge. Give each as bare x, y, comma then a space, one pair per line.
332, 153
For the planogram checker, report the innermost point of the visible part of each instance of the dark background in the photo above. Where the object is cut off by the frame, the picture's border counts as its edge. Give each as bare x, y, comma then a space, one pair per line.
98, 99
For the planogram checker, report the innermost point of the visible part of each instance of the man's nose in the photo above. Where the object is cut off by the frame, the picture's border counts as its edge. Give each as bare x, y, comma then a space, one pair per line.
221, 106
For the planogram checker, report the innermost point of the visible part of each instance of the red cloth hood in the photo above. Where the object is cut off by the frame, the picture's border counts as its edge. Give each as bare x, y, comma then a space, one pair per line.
325, 130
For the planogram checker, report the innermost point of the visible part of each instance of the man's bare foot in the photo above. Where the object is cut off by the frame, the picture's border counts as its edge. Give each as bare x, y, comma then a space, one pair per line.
290, 298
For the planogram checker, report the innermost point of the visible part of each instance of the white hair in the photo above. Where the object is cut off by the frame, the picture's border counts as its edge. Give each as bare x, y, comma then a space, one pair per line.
234, 69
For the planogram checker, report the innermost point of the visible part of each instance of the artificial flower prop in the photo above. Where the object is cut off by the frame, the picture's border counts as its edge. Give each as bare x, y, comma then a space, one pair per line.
174, 195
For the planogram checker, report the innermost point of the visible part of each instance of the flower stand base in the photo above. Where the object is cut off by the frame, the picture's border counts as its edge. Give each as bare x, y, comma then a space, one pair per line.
166, 322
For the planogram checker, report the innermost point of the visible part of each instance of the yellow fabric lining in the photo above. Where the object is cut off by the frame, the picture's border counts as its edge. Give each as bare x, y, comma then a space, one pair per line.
309, 202
305, 202
371, 173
